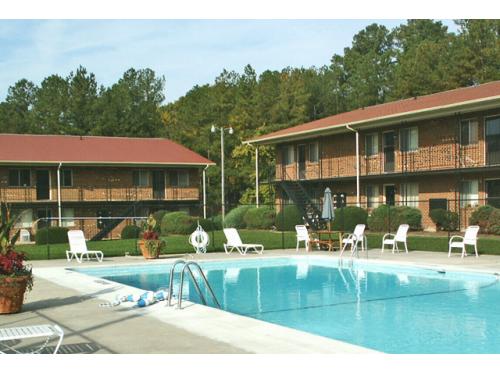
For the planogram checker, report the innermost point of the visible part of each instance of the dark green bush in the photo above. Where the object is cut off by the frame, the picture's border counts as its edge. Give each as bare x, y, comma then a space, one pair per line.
346, 218
385, 218
130, 231
158, 215
54, 235
444, 219
210, 224
260, 218
178, 223
494, 222
288, 218
481, 217
235, 217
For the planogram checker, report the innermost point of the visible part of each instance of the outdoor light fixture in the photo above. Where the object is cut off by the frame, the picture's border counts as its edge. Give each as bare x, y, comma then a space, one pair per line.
230, 131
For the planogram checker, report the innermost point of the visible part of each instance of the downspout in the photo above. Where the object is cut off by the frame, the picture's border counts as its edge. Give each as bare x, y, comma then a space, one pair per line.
59, 193
205, 192
357, 164
257, 176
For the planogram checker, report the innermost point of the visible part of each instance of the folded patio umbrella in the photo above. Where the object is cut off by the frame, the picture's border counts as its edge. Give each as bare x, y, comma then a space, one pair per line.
328, 213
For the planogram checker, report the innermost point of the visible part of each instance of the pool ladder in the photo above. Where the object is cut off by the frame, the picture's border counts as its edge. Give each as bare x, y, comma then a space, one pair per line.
355, 252
187, 268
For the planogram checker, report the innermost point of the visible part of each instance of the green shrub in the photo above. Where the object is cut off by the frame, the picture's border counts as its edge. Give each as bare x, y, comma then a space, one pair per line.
178, 223
260, 218
235, 217
130, 231
288, 218
209, 224
444, 219
481, 217
53, 234
385, 218
346, 218
494, 222
158, 215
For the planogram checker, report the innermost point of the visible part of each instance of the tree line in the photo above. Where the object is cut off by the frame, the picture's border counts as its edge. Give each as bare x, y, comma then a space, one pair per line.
416, 58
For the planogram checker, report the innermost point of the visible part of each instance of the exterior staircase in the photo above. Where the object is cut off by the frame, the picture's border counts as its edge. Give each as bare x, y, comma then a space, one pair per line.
310, 212
111, 224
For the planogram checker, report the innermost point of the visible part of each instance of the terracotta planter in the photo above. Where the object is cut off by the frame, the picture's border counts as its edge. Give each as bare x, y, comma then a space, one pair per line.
145, 252
12, 294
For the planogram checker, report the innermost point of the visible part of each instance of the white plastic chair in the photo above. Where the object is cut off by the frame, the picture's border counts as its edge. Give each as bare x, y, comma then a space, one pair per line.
470, 238
24, 235
78, 246
302, 236
399, 237
354, 239
31, 332
234, 242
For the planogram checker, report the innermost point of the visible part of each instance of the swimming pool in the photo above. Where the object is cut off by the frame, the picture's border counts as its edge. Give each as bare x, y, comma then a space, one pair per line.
394, 309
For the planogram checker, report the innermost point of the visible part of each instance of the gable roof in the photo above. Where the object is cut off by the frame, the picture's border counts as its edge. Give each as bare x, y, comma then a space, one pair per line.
442, 103
85, 150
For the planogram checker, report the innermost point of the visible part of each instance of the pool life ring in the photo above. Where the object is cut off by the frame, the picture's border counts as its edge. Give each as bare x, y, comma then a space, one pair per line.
199, 239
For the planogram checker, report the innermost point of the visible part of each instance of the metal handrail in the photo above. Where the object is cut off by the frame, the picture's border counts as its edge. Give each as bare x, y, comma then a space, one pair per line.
171, 281
187, 267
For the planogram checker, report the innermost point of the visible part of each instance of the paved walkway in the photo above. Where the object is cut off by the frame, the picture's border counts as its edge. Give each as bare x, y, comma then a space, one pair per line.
90, 328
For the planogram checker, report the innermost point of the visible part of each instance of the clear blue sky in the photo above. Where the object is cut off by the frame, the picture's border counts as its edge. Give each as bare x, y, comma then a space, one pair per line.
186, 52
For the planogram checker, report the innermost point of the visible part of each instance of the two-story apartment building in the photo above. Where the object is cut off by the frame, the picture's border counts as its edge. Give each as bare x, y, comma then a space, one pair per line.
435, 151
90, 177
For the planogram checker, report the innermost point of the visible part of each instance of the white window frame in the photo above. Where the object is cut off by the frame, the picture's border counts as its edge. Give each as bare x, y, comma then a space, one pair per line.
408, 197
18, 170
470, 198
472, 132
412, 141
373, 200
67, 212
313, 149
289, 155
63, 171
143, 174
375, 146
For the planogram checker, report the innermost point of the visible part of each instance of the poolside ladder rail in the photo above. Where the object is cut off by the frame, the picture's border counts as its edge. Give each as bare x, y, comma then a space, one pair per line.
187, 268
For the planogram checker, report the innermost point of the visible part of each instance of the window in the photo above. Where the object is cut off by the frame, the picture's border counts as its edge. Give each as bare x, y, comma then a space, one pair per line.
314, 152
19, 177
289, 155
409, 194
409, 139
66, 178
371, 144
372, 196
179, 178
468, 132
141, 178
435, 203
469, 193
68, 215
493, 140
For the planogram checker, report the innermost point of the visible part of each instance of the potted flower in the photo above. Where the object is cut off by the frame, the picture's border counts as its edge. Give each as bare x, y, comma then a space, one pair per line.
151, 245
15, 276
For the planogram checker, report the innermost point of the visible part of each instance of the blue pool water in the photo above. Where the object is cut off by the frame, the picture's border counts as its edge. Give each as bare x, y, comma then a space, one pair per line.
386, 308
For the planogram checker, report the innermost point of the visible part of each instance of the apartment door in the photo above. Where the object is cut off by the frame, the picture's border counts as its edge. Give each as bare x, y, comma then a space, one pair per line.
493, 192
42, 185
389, 151
158, 185
390, 195
301, 161
493, 140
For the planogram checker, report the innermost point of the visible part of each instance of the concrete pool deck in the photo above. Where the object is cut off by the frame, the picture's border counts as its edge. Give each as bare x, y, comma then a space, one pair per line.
72, 300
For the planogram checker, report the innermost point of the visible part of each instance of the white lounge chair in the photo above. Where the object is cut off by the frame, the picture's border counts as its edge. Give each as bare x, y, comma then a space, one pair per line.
354, 239
31, 332
78, 247
234, 242
303, 236
470, 238
394, 239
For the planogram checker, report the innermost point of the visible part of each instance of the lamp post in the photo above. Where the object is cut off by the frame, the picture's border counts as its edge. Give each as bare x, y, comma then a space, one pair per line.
222, 130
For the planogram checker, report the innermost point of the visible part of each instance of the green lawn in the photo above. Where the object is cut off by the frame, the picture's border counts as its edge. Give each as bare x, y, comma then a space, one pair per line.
177, 244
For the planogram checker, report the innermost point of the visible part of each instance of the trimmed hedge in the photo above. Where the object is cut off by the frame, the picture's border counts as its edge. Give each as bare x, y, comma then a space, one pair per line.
482, 216
158, 215
178, 223
130, 231
386, 217
53, 234
260, 218
235, 217
444, 219
288, 218
346, 218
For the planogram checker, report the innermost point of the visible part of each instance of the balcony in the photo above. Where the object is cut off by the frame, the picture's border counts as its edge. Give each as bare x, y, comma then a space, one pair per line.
98, 194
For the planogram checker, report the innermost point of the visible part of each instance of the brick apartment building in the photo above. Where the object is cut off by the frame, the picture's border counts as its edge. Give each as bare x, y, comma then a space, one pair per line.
435, 151
90, 177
